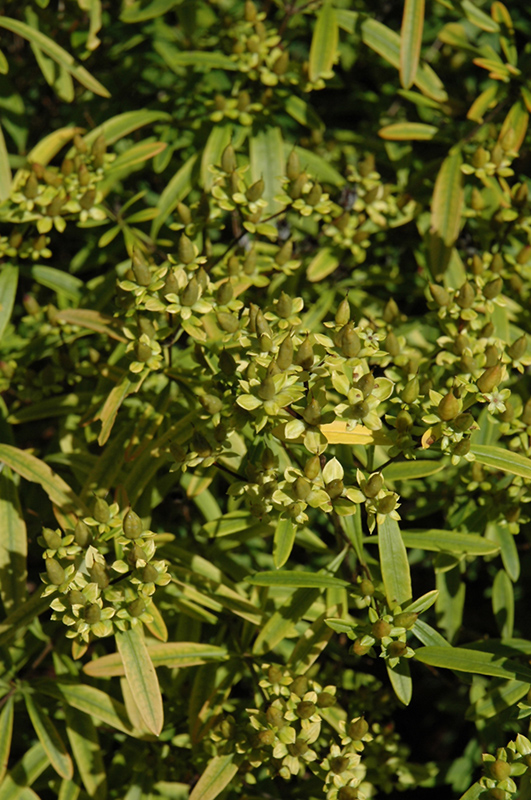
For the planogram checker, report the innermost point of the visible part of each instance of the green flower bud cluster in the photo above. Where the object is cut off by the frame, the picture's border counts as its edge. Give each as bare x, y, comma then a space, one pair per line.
503, 772
92, 595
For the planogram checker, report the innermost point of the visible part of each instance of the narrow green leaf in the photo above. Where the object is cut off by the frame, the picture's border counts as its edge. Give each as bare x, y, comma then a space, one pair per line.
450, 601
217, 141
201, 59
266, 151
516, 121
36, 471
138, 12
165, 654
503, 603
6, 734
447, 201
49, 738
504, 460
428, 635
310, 646
92, 321
219, 772
57, 53
57, 406
411, 470
14, 625
58, 280
497, 700
422, 604
323, 49
282, 622
107, 466
322, 265
315, 165
394, 563
474, 793
8, 289
5, 170
88, 699
303, 113
13, 544
411, 41
24, 773
84, 742
474, 661
400, 677
115, 128
478, 17
110, 408
296, 579
142, 678
508, 549
4, 65
450, 542
69, 791
408, 131
47, 148
483, 102
283, 541
176, 190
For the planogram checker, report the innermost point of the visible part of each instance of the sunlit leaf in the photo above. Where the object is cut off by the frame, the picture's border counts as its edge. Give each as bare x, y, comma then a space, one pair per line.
49, 738
394, 563
408, 131
283, 542
13, 544
448, 198
165, 654
462, 659
501, 459
8, 288
142, 678
218, 774
323, 50
503, 603
411, 41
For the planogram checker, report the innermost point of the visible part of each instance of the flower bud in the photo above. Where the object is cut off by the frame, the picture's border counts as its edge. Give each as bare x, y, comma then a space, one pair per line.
137, 607
143, 352
227, 322
357, 729
490, 378
284, 306
492, 356
497, 264
448, 407
267, 389
87, 200
493, 288
67, 167
397, 649
76, 598
295, 190
500, 770
92, 613
406, 619
381, 628
360, 649
52, 538
228, 159
312, 412
386, 504
255, 191
82, 534
348, 341
314, 195
186, 250
466, 295
101, 511
98, 575
141, 270
312, 468
410, 391
293, 167
439, 294
326, 700
463, 422
284, 254
55, 572
275, 717
391, 344
305, 709
305, 357
335, 488
132, 525
373, 485
190, 294
518, 348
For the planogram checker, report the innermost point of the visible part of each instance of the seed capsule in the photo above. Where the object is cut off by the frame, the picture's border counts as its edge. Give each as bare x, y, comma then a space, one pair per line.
266, 738
227, 363
500, 770
312, 412
314, 195
101, 511
262, 326
132, 525
227, 322
55, 572
67, 167
391, 344
343, 313
381, 628
83, 175
305, 709
137, 607
267, 390
397, 649
490, 378
463, 422
335, 488
293, 167
143, 352
299, 685
305, 357
493, 288
224, 293
201, 445
386, 504
190, 294
92, 613
373, 485
349, 341
366, 588
410, 391
275, 717
141, 270
284, 306
312, 468
80, 144
439, 294
255, 191
228, 159
82, 534
360, 649
448, 407
76, 598
466, 295
284, 254
186, 250
301, 488
347, 793
491, 356
280, 67
211, 403
497, 263
406, 619
98, 575
295, 190
518, 348
52, 538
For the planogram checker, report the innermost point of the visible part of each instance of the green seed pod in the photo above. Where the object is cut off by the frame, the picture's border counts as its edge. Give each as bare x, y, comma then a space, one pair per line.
462, 448
406, 619
315, 194
476, 264
266, 345
284, 254
520, 195
99, 148
373, 486
255, 191
52, 538
497, 264
366, 384
493, 288
132, 525
281, 65
275, 717
335, 488
76, 598
80, 144
244, 99
227, 322
343, 313
227, 363
391, 311
141, 270
492, 356
360, 649
55, 572
92, 613
386, 504
171, 284
358, 728
381, 628
39, 243
98, 575
366, 166
54, 209
299, 685
467, 364
275, 674
366, 588
404, 421
391, 344
496, 156
266, 738
185, 215
476, 200
137, 607
267, 390
490, 378
508, 414
339, 764
410, 391
67, 167
305, 709
143, 352
480, 157
190, 294
101, 511
201, 445
463, 422
262, 326
312, 468
461, 343
250, 12
466, 295
397, 649
518, 348
224, 293
135, 554
341, 223
497, 794
298, 748
186, 250
83, 175
439, 294
305, 356
500, 770
347, 793
82, 534
211, 403
312, 413
301, 488
350, 344
284, 306
145, 326
293, 167
87, 200
449, 407
295, 190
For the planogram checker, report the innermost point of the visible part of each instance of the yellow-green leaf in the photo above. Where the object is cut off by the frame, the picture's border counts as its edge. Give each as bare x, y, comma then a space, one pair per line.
49, 738
283, 541
6, 733
296, 579
217, 141
5, 170
47, 148
400, 679
8, 289
483, 102
478, 17
166, 654
504, 460
447, 201
201, 59
477, 662
281, 623
267, 163
503, 604
176, 190
13, 626
310, 645
412, 470
219, 772
90, 700
24, 773
13, 544
139, 12
84, 742
497, 700
337, 433
121, 125
516, 121
441, 541
322, 265
411, 41
408, 131
323, 49
394, 563
141, 677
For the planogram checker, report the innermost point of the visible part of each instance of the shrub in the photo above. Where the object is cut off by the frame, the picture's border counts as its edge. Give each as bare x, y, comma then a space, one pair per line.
265, 416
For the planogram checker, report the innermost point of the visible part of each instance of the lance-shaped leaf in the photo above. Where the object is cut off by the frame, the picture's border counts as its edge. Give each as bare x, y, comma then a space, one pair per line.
219, 772
266, 150
408, 132
90, 700
508, 549
412, 470
13, 625
411, 41
450, 542
5, 169
394, 563
297, 579
310, 645
84, 742
8, 288
515, 124
201, 59
49, 738
55, 52
447, 201
165, 654
479, 17
139, 12
13, 544
323, 49
400, 677
497, 700
176, 190
283, 541
503, 603
218, 140
463, 659
338, 433
6, 734
24, 773
504, 460
142, 678
47, 148
121, 125
322, 265
281, 623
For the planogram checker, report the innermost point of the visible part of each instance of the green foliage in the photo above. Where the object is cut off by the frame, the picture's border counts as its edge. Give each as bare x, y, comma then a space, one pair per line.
264, 364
